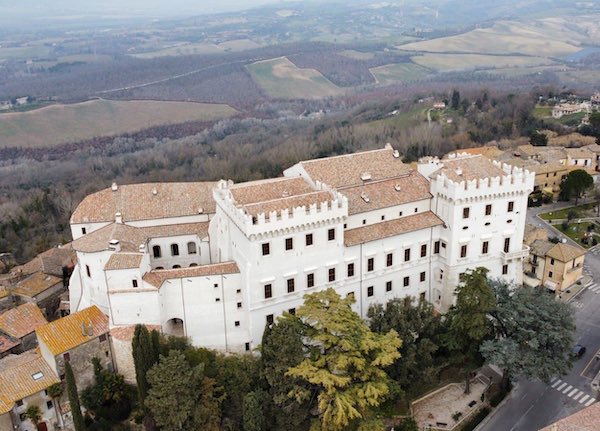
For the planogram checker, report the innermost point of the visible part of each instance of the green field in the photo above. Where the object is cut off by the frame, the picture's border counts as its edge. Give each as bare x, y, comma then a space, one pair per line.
522, 71
25, 52
402, 72
542, 111
282, 79
58, 124
200, 49
457, 62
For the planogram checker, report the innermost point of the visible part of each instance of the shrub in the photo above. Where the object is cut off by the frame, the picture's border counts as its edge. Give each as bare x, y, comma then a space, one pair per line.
456, 416
472, 423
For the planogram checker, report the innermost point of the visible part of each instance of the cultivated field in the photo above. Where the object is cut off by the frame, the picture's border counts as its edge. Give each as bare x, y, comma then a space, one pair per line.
522, 71
357, 55
402, 72
185, 48
282, 79
57, 124
456, 62
545, 38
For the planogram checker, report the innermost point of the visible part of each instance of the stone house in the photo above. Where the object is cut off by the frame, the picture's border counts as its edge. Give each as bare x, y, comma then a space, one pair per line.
24, 380
20, 323
77, 339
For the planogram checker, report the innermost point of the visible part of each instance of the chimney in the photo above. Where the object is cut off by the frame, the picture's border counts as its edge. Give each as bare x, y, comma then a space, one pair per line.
114, 245
142, 248
154, 191
114, 187
118, 218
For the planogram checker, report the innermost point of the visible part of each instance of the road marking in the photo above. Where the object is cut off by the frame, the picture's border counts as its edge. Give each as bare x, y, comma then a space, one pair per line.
590, 402
556, 383
582, 400
553, 379
561, 386
567, 389
577, 396
572, 392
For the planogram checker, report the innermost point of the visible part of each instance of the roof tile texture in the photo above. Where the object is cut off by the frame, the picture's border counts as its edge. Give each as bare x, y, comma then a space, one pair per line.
158, 276
22, 320
123, 261
468, 169
36, 284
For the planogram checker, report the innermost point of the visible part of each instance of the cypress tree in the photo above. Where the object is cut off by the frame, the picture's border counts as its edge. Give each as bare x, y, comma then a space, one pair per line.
142, 359
155, 341
78, 422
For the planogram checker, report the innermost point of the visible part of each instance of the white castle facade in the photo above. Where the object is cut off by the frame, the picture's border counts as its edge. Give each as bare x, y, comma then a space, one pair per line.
217, 261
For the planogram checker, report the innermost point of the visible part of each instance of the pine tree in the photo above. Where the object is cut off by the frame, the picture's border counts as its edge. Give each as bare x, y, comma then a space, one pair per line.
78, 422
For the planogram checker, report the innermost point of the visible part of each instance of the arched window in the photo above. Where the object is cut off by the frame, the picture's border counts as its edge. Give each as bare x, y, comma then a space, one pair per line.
176, 266
156, 251
192, 247
193, 264
159, 267
174, 250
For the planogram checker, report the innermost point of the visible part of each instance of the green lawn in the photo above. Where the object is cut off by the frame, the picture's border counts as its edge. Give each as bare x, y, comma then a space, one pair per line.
563, 213
575, 231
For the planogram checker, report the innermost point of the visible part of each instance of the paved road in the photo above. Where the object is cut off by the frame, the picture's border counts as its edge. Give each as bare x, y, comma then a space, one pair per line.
534, 405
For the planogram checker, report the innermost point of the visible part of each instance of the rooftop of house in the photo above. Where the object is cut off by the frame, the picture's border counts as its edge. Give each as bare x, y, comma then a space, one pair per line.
146, 201
124, 261
579, 153
125, 333
130, 237
373, 195
468, 168
50, 261
73, 330
594, 148
565, 252
540, 247
352, 169
158, 276
22, 320
36, 284
22, 376
586, 419
490, 151
7, 343
391, 228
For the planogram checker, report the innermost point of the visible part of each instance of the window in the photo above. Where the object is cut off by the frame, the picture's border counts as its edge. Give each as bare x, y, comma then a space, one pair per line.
406, 281
159, 267
389, 259
192, 249
67, 357
266, 249
551, 261
102, 338
193, 264
292, 311
370, 264
270, 319
83, 231
416, 209
247, 347
310, 280
400, 214
174, 250
237, 323
422, 276
422, 297
350, 295
549, 273
504, 269
424, 250
217, 299
291, 285
134, 283
309, 239
370, 291
350, 270
463, 251
364, 221
268, 291
506, 245
466, 212
484, 247
388, 286
331, 234
176, 266
407, 255
49, 405
87, 271
511, 206
331, 274
488, 209
289, 243
239, 305
443, 244
382, 218
436, 247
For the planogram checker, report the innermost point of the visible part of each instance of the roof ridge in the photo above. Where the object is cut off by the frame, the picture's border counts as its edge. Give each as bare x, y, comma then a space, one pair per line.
312, 192
381, 180
346, 155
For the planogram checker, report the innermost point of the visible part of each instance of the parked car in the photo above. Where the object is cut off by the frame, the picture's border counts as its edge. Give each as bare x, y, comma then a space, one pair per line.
578, 351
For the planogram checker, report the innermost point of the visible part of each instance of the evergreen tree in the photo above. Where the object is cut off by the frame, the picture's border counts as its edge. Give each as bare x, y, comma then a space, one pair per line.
143, 358
455, 101
575, 184
254, 418
78, 422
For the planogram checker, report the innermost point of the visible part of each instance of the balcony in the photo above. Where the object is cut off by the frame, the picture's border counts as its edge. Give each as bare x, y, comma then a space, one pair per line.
519, 254
574, 268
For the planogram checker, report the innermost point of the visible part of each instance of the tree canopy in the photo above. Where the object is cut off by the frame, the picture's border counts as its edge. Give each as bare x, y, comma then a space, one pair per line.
575, 184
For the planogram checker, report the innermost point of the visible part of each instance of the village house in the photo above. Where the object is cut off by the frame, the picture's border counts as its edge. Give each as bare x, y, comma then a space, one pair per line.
77, 339
24, 380
19, 324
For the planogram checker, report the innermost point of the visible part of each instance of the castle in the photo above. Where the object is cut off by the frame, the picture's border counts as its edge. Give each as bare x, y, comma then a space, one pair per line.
216, 262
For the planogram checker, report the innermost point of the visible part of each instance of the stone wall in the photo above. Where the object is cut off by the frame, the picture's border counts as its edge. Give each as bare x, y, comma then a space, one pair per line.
81, 360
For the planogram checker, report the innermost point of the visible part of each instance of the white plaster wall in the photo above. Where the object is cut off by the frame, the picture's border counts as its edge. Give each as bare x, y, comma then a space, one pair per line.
133, 306
390, 213
167, 260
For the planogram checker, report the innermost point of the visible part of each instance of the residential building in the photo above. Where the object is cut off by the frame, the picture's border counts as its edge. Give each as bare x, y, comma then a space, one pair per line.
24, 380
19, 325
77, 339
586, 419
218, 261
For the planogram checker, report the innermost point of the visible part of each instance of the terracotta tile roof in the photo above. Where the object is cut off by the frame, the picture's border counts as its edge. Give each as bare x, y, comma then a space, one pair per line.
49, 262
594, 148
125, 333
545, 168
123, 261
527, 150
158, 276
391, 228
140, 202
565, 252
288, 203
347, 170
7, 343
541, 247
579, 153
491, 151
36, 284
266, 190
22, 376
586, 419
130, 237
22, 320
468, 168
386, 193
66, 333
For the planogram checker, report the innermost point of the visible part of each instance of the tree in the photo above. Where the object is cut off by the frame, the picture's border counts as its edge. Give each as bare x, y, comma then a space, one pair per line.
78, 422
538, 139
575, 184
532, 333
55, 391
455, 100
468, 323
597, 200
34, 414
144, 357
254, 418
344, 361
107, 397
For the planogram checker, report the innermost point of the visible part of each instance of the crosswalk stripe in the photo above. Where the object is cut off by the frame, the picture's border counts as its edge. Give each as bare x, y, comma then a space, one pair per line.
567, 389
560, 388
556, 383
582, 400
590, 402
577, 396
572, 392
553, 379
